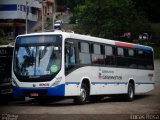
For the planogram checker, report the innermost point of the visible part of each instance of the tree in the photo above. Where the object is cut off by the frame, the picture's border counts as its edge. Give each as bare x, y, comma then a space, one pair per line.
73, 3
150, 9
109, 18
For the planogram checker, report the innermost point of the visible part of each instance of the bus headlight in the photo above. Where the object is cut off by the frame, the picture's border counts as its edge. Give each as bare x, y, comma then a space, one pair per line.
57, 81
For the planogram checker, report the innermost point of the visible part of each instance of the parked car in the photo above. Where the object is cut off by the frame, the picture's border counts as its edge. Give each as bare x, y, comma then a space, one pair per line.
143, 36
59, 21
58, 24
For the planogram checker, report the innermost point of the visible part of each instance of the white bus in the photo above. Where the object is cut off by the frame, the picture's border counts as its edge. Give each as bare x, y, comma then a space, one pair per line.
79, 66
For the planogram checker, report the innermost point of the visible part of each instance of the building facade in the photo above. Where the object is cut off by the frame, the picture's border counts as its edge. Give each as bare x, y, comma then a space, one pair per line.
14, 13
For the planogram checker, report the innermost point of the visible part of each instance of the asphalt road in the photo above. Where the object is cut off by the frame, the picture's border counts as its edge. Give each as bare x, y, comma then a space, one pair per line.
145, 106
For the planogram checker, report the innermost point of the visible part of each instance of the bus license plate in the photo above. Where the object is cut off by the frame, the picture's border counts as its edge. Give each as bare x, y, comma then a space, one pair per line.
34, 94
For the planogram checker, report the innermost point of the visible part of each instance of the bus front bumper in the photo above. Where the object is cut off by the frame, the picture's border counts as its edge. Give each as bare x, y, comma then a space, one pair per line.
38, 92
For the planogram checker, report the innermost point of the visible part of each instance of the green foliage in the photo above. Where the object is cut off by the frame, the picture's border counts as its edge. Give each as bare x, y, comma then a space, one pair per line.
1, 32
150, 8
74, 3
5, 41
156, 52
108, 18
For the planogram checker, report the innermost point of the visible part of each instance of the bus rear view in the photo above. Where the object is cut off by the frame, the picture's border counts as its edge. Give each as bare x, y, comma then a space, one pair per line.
37, 65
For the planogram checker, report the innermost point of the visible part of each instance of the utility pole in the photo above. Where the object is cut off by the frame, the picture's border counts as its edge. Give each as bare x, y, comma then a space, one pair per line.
42, 17
54, 12
26, 17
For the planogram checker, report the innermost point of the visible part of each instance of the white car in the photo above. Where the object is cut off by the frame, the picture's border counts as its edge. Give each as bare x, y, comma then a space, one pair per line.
58, 23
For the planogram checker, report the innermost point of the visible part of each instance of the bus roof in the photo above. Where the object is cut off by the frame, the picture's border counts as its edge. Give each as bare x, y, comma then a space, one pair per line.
93, 39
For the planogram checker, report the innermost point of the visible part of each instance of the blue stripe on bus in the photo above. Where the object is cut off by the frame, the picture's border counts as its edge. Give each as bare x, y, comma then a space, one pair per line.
10, 7
109, 82
143, 47
145, 83
73, 83
121, 83
51, 91
17, 92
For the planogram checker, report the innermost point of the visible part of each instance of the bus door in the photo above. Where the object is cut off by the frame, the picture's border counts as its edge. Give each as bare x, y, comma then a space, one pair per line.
70, 58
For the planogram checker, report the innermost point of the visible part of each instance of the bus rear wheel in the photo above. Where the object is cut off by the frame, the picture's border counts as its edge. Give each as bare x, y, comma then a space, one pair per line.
130, 95
84, 95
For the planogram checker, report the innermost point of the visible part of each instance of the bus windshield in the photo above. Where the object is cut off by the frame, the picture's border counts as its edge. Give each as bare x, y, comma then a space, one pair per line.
37, 55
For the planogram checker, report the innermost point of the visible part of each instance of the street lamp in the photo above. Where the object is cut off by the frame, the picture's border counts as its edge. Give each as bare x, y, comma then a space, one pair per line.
54, 12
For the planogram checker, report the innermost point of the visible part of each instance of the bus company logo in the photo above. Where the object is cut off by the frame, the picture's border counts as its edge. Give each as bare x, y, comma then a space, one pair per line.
100, 76
44, 84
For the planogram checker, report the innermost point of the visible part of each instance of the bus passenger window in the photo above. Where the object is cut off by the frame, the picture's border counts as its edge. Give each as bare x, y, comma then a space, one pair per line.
131, 59
120, 51
109, 56
97, 56
121, 59
141, 59
149, 60
84, 54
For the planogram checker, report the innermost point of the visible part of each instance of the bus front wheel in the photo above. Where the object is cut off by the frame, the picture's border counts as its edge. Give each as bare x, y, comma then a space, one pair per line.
130, 95
84, 95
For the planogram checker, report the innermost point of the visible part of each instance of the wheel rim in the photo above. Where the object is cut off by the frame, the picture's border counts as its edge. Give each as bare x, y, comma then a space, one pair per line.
83, 94
131, 92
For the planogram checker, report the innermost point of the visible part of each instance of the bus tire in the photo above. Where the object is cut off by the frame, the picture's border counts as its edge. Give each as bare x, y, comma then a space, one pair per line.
84, 95
131, 93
